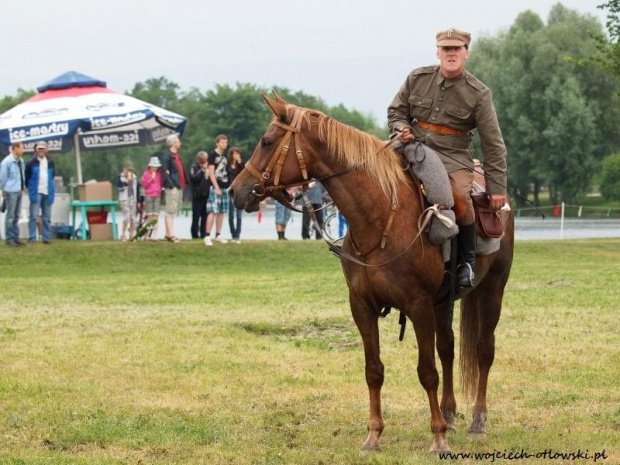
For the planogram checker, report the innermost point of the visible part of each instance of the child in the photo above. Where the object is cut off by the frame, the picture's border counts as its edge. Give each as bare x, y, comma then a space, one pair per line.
127, 185
152, 183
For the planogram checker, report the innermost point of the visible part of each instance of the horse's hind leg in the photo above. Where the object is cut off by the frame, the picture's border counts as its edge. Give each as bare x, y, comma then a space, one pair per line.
424, 324
490, 296
445, 349
367, 323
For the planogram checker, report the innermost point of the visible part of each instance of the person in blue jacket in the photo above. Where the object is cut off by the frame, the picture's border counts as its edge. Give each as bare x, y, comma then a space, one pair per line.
40, 183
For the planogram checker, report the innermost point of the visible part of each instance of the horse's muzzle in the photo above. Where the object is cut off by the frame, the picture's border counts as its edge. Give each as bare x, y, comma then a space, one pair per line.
242, 198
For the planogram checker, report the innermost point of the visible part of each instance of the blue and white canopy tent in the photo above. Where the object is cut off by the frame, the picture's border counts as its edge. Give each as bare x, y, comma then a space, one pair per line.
77, 112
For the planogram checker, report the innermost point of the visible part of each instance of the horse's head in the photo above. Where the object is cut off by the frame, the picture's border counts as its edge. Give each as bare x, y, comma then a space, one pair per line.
282, 157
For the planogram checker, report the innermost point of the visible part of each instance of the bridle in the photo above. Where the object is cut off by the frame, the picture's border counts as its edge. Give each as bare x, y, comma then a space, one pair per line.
278, 157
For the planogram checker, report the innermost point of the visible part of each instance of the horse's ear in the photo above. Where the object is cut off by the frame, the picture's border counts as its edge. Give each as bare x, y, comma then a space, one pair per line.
278, 109
278, 98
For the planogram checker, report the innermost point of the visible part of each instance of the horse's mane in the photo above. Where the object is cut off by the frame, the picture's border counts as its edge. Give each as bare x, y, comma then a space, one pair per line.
360, 151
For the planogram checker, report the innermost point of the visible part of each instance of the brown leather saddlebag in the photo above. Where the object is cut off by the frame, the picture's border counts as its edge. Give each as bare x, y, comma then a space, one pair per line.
488, 221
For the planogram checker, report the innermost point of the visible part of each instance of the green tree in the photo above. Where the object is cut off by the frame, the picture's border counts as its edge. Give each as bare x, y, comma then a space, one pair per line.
610, 177
9, 101
611, 48
542, 91
158, 91
569, 162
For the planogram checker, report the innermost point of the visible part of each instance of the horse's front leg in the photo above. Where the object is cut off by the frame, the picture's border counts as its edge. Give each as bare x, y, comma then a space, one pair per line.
423, 318
366, 320
445, 349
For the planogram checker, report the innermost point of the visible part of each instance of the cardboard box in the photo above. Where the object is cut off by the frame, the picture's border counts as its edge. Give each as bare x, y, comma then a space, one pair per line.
94, 191
101, 232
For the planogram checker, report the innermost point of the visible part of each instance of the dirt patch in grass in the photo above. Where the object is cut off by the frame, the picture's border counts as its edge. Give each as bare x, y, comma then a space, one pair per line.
329, 335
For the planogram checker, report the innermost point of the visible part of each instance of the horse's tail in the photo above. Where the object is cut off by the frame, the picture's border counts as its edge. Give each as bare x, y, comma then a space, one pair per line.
470, 334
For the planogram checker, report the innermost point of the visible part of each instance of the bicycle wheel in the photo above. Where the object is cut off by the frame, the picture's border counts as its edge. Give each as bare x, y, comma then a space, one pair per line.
330, 227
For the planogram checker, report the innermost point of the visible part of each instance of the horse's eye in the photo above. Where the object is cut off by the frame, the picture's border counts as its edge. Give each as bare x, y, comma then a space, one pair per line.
266, 142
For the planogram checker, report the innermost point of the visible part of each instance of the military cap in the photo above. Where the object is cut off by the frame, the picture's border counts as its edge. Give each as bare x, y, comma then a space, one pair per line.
453, 38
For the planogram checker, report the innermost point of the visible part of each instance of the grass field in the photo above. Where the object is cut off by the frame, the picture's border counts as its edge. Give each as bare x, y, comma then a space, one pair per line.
155, 353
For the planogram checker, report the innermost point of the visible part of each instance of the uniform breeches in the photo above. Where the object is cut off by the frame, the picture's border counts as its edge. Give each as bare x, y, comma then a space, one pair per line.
462, 183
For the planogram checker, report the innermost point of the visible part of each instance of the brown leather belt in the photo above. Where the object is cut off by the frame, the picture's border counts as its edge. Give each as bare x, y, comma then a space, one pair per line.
438, 128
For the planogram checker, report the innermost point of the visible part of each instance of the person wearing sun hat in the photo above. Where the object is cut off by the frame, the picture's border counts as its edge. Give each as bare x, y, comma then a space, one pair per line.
440, 106
152, 182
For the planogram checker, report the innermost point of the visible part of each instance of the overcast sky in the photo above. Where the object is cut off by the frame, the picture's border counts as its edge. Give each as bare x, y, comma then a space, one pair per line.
355, 52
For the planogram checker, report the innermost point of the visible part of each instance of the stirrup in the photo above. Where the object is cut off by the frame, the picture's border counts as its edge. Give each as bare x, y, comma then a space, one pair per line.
466, 280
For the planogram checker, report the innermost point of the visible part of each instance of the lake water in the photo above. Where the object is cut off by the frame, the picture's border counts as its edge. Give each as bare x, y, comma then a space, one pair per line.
525, 228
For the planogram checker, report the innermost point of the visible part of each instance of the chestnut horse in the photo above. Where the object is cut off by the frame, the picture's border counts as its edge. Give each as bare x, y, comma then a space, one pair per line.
367, 182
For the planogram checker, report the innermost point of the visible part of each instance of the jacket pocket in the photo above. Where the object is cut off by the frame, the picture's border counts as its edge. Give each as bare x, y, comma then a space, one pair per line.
419, 101
419, 107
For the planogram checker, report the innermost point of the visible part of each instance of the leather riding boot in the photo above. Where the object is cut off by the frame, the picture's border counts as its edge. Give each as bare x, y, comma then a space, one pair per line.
467, 256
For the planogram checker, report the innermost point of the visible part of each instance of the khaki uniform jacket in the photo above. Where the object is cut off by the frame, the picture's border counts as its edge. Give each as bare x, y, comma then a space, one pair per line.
462, 103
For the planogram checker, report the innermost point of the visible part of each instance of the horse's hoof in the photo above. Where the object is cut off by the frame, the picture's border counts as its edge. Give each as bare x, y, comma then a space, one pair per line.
440, 447
449, 419
476, 435
369, 449
478, 430
437, 451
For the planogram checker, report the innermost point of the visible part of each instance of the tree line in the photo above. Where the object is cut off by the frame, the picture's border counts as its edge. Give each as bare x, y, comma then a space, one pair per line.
556, 91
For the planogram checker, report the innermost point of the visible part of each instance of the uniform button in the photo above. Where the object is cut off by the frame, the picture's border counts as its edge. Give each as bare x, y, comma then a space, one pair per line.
437, 109
441, 99
433, 118
419, 102
443, 88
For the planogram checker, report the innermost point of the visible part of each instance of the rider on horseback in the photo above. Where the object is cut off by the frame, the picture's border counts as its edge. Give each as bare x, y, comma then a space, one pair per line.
440, 106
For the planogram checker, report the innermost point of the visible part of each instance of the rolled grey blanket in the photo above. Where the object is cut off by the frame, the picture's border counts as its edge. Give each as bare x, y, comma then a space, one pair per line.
428, 168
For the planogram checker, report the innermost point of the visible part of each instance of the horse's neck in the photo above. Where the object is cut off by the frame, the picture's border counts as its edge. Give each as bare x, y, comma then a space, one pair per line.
363, 204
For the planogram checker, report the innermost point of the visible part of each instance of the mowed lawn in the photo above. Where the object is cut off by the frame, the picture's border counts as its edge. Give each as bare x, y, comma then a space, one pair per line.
159, 353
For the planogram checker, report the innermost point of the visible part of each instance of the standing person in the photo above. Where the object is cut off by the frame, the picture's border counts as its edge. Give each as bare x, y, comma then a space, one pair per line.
283, 215
13, 184
440, 106
315, 195
152, 183
40, 183
127, 185
235, 166
199, 180
174, 184
217, 204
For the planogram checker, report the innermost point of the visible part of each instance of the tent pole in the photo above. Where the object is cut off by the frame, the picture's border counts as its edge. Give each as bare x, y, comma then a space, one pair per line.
78, 160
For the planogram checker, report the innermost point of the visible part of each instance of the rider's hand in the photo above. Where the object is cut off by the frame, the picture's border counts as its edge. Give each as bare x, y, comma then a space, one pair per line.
497, 201
218, 192
405, 136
